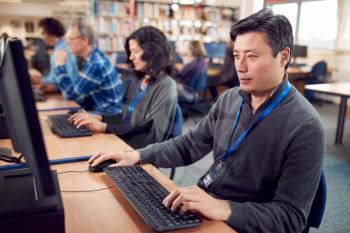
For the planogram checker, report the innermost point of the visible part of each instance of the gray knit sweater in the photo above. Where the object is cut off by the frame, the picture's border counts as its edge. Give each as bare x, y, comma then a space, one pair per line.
272, 178
153, 117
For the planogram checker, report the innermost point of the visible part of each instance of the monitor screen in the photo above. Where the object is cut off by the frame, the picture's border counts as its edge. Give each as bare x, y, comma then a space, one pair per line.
3, 128
215, 49
121, 58
300, 51
22, 121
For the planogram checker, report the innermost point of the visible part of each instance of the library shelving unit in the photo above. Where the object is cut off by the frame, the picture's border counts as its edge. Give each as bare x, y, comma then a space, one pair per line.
115, 20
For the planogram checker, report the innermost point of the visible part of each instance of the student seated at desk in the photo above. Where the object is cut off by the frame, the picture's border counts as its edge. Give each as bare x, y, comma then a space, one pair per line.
196, 64
150, 106
227, 75
97, 88
52, 32
268, 141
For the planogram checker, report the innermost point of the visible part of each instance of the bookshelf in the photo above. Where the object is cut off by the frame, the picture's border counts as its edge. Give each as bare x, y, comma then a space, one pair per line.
115, 20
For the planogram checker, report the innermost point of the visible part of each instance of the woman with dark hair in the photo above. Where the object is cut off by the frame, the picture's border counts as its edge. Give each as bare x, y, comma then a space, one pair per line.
151, 98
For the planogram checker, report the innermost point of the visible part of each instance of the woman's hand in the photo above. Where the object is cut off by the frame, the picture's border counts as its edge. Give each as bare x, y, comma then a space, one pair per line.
197, 200
90, 120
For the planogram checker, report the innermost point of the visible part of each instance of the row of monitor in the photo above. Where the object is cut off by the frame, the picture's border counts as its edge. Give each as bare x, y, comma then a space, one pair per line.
217, 50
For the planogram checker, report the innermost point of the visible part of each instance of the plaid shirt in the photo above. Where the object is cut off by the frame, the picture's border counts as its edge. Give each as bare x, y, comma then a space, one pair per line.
97, 88
71, 63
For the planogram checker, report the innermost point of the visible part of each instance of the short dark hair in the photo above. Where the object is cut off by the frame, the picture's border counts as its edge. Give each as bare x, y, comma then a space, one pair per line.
278, 30
157, 51
52, 26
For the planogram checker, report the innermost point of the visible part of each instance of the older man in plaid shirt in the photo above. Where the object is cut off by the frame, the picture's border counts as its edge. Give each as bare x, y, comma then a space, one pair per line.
97, 89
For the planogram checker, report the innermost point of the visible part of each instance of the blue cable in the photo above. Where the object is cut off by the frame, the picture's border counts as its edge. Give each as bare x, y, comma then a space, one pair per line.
51, 162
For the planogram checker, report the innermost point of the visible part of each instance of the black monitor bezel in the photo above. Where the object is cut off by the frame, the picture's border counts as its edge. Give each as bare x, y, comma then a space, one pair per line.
21, 115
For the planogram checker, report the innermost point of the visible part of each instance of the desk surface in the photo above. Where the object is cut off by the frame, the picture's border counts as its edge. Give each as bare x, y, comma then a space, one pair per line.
105, 211
338, 89
55, 101
57, 147
341, 89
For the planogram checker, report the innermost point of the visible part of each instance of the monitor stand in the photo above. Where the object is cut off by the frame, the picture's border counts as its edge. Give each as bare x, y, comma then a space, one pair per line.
3, 129
23, 210
5, 151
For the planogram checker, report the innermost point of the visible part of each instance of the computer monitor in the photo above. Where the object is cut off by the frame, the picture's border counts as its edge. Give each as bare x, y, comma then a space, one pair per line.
121, 58
300, 51
31, 196
215, 49
3, 127
21, 116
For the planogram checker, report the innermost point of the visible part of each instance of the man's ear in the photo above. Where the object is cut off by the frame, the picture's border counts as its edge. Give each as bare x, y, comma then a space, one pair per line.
285, 56
85, 40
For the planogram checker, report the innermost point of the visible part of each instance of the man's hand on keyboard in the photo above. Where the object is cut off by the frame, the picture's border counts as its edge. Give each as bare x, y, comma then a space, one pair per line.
90, 120
197, 200
123, 158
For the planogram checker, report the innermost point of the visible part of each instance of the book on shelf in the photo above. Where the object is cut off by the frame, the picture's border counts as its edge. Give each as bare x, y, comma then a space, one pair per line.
112, 8
189, 22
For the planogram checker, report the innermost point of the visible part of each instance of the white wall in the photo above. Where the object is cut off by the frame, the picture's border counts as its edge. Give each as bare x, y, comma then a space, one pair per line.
11, 13
230, 3
51, 8
6, 25
249, 7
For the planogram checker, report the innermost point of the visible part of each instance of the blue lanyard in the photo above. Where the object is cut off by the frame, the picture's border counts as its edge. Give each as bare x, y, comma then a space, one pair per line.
134, 101
233, 147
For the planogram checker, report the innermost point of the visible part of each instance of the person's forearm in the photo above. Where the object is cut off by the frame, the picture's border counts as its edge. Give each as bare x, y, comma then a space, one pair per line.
64, 82
225, 210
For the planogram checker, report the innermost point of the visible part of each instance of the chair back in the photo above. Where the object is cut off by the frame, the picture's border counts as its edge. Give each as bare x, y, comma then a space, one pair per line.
319, 71
178, 123
176, 131
200, 80
121, 58
318, 205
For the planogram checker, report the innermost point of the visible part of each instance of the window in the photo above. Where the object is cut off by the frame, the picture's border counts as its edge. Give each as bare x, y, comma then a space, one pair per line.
290, 10
317, 22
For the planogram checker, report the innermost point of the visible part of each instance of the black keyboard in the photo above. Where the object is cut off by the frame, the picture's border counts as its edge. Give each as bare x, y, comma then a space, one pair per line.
63, 128
146, 196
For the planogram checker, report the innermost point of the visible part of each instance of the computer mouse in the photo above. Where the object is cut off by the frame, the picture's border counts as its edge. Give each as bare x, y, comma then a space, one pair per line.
99, 167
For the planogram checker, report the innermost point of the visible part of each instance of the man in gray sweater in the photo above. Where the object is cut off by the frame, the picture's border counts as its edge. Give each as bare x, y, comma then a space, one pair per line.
267, 140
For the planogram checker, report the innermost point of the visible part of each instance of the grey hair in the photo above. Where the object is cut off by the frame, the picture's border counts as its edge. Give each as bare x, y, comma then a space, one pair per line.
85, 31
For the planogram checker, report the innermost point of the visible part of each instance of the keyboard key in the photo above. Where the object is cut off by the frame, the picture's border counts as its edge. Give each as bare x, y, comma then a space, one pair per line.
63, 128
146, 196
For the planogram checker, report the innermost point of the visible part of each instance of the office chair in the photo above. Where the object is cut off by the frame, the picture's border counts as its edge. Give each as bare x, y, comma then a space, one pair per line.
121, 58
318, 74
318, 206
197, 86
176, 131
201, 106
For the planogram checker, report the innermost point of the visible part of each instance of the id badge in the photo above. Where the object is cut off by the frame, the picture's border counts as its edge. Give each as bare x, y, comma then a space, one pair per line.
214, 173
